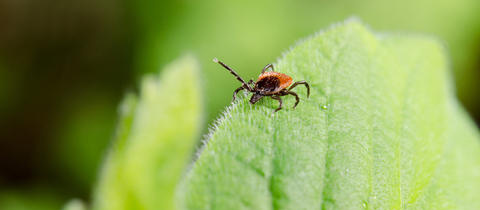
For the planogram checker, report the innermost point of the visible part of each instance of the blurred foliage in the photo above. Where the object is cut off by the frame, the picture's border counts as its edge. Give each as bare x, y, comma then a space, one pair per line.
75, 204
155, 137
86, 123
32, 199
66, 66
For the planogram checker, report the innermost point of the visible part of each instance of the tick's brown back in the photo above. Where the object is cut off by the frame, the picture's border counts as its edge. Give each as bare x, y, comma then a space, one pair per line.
273, 82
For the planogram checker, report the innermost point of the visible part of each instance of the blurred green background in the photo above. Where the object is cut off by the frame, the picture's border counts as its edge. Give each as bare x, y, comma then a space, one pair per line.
66, 64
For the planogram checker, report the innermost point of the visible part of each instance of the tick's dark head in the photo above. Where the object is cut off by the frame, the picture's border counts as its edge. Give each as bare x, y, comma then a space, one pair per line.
255, 98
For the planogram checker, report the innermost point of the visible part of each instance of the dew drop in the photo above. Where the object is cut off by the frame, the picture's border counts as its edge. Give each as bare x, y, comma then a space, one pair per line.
325, 107
364, 205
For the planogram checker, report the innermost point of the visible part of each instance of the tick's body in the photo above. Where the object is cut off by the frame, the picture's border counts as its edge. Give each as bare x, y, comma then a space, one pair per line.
271, 83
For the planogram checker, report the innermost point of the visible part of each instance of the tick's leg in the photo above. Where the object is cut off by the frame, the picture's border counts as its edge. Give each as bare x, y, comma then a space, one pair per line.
301, 83
268, 66
296, 98
236, 91
251, 84
232, 72
279, 101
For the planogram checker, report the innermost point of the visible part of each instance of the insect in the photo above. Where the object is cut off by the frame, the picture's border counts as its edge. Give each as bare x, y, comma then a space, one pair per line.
269, 83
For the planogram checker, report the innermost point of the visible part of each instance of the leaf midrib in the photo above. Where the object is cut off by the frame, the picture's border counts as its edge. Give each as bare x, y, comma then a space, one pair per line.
329, 103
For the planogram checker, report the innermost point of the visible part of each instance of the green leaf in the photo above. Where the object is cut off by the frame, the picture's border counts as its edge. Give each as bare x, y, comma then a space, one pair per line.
381, 130
154, 140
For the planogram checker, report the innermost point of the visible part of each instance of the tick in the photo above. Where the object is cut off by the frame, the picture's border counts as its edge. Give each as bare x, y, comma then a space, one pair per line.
269, 83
